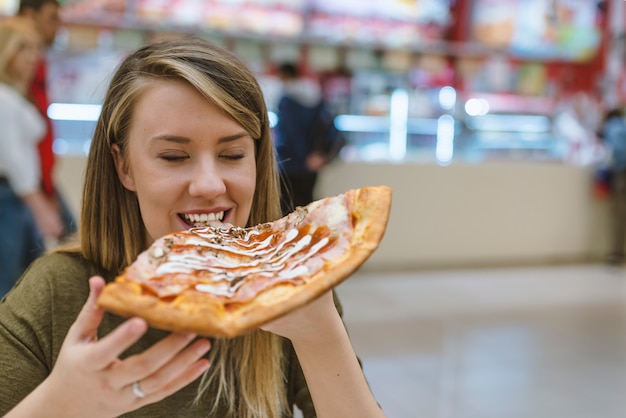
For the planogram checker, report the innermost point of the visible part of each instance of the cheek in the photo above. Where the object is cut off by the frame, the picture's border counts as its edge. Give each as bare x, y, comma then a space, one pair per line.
161, 191
244, 185
250, 181
156, 193
155, 212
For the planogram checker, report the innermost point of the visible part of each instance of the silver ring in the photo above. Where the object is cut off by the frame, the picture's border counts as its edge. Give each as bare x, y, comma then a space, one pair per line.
137, 391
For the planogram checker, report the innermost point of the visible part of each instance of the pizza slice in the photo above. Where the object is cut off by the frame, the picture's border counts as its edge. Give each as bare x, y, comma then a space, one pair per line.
223, 282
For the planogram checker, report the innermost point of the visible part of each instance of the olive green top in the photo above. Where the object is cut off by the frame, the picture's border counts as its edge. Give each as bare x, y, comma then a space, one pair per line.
36, 315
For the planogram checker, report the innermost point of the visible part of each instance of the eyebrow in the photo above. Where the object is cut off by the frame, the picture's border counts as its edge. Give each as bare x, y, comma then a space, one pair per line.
184, 140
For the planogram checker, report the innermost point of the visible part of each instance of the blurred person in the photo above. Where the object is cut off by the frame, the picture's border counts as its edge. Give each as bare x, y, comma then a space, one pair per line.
45, 14
184, 129
577, 120
614, 136
306, 139
26, 215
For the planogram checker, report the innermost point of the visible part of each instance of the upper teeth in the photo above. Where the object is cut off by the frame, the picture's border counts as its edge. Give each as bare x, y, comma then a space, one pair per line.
204, 217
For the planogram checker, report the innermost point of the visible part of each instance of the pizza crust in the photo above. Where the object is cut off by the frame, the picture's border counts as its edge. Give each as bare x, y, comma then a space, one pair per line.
206, 314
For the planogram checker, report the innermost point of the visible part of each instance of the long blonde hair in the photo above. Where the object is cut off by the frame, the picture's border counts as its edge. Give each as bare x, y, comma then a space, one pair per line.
246, 372
14, 31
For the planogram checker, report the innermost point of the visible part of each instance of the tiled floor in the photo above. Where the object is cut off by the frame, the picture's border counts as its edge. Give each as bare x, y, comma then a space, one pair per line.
545, 342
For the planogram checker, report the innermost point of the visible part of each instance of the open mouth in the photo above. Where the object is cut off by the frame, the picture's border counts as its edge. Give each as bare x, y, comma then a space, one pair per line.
201, 219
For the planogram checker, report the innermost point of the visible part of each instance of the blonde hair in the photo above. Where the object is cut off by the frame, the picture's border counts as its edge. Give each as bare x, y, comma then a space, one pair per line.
246, 372
13, 33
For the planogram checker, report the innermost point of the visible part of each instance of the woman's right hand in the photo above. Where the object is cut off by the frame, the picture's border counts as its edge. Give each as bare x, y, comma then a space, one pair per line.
89, 378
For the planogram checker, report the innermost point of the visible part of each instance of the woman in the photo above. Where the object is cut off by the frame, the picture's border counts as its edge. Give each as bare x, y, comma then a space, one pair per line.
183, 130
25, 213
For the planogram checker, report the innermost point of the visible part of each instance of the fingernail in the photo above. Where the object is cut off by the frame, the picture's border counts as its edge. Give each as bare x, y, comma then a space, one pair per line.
203, 365
137, 326
203, 347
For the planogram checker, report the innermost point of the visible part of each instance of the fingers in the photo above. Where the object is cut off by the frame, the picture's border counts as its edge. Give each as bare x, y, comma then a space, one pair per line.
90, 374
86, 325
85, 330
158, 355
190, 374
109, 348
167, 353
183, 369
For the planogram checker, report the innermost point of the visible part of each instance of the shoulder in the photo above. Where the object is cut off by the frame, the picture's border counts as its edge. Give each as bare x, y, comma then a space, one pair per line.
37, 313
9, 98
59, 274
6, 91
63, 263
304, 92
9, 95
50, 294
16, 107
288, 102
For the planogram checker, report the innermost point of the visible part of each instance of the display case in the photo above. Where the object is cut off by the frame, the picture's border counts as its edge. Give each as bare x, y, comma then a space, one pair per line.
520, 87
394, 119
539, 29
400, 75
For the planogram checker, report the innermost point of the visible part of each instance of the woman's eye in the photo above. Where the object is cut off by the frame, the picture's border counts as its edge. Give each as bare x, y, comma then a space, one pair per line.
233, 157
173, 157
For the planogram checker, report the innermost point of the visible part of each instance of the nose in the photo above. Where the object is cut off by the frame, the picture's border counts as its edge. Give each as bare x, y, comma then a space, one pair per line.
206, 180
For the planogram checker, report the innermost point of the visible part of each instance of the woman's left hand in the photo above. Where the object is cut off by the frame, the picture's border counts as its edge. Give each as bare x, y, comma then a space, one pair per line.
309, 321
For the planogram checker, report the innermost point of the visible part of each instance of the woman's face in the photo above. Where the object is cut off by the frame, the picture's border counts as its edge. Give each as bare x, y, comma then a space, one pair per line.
23, 65
188, 162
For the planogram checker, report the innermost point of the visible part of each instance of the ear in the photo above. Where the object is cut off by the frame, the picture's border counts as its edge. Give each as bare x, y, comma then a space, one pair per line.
122, 169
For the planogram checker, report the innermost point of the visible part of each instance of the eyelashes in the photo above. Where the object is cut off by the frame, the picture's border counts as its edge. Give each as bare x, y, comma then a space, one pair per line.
233, 157
175, 158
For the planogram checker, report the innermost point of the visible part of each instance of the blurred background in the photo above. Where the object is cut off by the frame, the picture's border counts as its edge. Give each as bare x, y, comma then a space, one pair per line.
488, 296
481, 114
